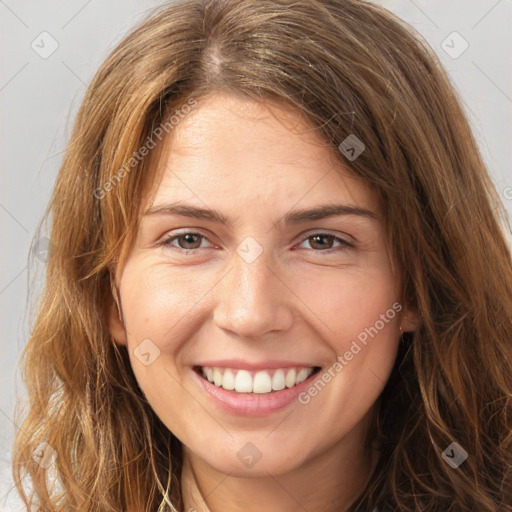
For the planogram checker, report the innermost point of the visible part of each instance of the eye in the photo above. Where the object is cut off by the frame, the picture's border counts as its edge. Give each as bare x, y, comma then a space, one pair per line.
186, 241
324, 242
321, 242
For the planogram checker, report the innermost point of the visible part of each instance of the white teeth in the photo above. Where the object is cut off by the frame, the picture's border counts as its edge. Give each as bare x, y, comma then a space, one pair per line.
302, 375
290, 378
262, 383
228, 381
278, 380
243, 381
217, 377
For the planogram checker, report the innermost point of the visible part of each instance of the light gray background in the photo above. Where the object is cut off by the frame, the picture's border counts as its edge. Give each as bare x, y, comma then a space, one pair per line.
39, 97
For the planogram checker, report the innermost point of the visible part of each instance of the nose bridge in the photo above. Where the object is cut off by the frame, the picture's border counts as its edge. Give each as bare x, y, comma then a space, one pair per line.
251, 299
253, 278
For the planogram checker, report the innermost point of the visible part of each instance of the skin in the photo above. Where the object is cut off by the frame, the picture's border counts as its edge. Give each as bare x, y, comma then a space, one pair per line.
295, 301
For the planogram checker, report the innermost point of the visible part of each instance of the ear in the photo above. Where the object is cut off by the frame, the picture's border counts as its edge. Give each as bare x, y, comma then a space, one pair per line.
116, 324
410, 320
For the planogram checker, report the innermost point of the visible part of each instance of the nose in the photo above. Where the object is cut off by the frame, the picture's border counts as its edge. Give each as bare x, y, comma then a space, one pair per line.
252, 300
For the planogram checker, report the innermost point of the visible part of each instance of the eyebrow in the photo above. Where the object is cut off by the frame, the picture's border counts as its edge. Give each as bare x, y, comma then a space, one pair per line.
293, 217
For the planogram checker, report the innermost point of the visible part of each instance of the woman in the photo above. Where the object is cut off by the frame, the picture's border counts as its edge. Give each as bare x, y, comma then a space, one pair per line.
269, 279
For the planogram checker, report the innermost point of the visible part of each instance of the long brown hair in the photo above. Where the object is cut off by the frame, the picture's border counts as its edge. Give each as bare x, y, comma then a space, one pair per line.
348, 67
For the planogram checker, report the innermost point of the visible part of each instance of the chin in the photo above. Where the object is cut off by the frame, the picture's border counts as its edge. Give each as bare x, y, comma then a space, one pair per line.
258, 470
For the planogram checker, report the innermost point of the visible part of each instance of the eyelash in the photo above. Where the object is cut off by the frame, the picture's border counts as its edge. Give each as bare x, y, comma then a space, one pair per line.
343, 243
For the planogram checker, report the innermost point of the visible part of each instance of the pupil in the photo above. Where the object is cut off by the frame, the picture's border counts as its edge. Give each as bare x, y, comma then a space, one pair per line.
189, 239
317, 237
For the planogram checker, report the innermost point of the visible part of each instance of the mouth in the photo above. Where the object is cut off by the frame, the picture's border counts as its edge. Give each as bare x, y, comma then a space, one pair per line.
261, 382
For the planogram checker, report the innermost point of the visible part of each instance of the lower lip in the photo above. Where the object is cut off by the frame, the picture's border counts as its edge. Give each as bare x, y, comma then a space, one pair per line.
253, 404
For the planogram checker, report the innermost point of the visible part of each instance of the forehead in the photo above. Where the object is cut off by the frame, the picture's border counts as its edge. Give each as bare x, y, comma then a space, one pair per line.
238, 150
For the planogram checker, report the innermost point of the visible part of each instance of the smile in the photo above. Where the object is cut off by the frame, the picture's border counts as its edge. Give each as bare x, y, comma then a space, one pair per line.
258, 382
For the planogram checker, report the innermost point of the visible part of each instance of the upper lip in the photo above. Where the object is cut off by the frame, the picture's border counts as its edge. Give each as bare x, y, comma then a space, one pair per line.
243, 364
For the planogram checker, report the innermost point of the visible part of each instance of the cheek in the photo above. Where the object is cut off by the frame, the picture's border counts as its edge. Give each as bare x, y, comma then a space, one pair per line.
346, 301
162, 304
358, 314
157, 305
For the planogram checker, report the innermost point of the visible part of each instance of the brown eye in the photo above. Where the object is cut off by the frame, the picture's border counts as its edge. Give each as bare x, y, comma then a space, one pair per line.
190, 240
324, 242
185, 241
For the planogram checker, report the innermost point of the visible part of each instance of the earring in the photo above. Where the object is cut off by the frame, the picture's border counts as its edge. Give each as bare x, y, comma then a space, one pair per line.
401, 338
403, 316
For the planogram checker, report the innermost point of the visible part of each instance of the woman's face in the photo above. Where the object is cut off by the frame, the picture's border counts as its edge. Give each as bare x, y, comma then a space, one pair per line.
271, 290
